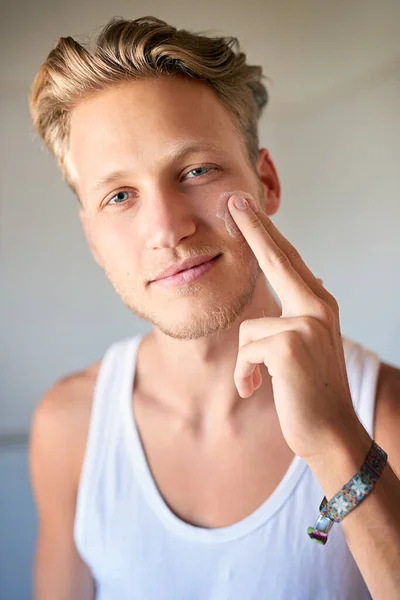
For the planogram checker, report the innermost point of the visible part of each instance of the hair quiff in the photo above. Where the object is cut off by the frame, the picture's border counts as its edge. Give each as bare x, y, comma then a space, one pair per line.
146, 47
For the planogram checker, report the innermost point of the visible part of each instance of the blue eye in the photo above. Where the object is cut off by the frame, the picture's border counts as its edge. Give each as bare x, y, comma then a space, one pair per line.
120, 197
197, 169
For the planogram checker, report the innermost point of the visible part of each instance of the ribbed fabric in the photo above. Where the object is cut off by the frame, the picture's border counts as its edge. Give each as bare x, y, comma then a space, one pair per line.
138, 549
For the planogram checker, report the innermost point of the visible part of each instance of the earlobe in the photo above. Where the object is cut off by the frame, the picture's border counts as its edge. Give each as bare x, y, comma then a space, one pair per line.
86, 229
273, 203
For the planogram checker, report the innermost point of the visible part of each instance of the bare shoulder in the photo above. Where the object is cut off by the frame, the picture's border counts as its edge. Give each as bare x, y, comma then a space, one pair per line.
387, 412
69, 400
61, 418
57, 448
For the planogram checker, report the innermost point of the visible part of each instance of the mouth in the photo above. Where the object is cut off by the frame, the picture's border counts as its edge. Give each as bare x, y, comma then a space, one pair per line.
188, 275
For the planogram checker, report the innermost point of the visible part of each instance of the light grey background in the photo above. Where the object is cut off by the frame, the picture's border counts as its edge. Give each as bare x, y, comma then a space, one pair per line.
333, 130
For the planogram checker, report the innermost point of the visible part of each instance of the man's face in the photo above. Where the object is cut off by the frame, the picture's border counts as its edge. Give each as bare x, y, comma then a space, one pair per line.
161, 208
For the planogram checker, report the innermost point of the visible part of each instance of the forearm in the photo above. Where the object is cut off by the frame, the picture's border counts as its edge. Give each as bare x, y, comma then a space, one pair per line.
372, 529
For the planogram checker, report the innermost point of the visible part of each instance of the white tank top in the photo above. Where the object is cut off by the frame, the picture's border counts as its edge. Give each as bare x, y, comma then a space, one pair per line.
138, 549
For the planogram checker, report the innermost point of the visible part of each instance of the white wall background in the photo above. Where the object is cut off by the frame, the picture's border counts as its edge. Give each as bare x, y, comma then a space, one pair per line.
333, 129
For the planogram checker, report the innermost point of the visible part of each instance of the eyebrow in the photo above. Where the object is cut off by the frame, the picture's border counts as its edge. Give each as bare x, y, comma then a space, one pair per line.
172, 155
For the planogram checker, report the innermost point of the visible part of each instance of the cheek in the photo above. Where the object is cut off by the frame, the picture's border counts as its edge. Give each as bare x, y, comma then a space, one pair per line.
115, 245
224, 214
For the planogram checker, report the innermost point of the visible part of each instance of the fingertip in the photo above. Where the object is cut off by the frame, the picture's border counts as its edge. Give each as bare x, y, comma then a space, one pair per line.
238, 202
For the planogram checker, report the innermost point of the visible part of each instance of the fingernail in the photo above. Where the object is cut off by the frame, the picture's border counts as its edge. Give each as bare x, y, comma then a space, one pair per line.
240, 203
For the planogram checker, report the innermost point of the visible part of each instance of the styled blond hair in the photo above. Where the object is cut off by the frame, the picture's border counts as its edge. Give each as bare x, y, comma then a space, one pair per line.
126, 50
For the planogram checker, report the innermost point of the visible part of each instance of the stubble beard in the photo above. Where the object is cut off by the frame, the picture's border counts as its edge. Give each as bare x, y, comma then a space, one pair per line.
214, 313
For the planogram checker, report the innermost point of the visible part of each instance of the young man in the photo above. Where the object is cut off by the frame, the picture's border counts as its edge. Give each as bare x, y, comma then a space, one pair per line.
189, 462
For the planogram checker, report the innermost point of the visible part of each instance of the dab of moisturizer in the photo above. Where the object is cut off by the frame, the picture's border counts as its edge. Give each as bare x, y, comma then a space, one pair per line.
224, 213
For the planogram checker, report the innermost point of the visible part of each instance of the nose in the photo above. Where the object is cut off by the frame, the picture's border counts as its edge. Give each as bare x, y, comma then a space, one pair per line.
168, 219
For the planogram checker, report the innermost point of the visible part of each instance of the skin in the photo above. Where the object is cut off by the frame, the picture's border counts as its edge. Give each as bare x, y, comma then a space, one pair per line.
314, 403
216, 407
169, 215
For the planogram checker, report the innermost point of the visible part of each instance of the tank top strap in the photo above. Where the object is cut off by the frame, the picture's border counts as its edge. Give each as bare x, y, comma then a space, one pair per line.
363, 367
105, 412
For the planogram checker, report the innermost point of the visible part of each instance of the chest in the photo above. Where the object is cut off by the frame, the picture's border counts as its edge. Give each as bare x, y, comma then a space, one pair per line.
213, 484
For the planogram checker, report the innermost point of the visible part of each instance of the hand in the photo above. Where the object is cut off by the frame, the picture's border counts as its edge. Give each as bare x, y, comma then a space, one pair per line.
302, 349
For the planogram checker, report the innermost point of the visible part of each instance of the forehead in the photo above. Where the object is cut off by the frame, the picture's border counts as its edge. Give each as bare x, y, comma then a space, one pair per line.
142, 121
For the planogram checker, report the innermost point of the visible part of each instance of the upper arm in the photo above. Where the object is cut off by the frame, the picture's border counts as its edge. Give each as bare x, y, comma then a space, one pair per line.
60, 573
387, 414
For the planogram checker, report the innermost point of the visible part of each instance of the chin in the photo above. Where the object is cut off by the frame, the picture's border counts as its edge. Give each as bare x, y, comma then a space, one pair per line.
204, 314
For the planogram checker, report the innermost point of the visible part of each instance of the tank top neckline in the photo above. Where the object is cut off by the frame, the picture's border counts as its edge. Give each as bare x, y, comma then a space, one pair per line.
152, 495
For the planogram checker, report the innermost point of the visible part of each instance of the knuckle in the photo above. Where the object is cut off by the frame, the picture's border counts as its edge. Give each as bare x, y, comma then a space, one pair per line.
278, 257
329, 316
269, 225
333, 303
291, 252
243, 332
290, 343
256, 223
308, 325
324, 313
243, 325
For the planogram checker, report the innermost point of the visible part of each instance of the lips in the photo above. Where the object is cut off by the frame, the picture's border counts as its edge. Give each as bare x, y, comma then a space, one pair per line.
186, 277
186, 264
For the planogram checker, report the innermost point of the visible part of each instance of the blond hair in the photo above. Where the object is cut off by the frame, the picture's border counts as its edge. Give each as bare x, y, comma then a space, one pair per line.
147, 47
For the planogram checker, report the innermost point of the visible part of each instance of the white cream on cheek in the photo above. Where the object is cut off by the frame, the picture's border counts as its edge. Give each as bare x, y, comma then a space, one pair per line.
224, 214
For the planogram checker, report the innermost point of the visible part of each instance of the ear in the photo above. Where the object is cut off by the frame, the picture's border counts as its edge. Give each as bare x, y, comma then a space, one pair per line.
270, 181
92, 246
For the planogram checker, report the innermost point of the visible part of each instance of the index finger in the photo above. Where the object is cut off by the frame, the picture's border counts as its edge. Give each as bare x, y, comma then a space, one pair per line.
283, 266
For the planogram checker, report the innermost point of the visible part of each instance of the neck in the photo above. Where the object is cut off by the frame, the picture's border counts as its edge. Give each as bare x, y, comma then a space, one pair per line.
197, 375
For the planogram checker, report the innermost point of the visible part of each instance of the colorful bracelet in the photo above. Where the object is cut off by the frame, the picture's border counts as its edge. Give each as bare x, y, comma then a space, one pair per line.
350, 496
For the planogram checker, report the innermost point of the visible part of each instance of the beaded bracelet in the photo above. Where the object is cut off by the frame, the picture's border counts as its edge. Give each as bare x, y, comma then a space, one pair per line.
350, 496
